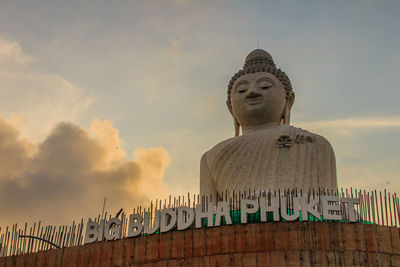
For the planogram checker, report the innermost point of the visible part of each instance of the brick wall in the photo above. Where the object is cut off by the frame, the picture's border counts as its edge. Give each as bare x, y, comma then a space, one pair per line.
261, 244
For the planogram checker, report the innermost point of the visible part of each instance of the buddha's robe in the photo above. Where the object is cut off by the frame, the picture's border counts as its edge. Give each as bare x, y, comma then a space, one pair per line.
281, 157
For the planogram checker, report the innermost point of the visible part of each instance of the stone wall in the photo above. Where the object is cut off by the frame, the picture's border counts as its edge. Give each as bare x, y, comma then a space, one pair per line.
260, 244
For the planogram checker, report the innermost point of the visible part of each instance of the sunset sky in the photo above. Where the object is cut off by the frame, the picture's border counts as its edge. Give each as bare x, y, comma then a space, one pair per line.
121, 98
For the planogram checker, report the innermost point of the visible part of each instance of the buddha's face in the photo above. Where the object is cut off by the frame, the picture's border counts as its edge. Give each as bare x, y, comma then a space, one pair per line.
258, 98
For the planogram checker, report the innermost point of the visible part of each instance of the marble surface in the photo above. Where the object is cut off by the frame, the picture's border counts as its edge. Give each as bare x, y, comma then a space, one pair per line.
257, 161
269, 153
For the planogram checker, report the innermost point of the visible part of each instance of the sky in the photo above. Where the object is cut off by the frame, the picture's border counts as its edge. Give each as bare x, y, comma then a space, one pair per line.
120, 99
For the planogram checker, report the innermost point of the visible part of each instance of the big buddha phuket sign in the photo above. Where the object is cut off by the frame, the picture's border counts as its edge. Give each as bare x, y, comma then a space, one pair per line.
181, 218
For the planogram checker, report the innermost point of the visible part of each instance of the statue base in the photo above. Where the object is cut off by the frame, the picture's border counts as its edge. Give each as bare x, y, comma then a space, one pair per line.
257, 244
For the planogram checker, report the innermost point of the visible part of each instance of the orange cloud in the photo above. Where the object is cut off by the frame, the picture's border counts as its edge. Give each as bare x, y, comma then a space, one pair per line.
37, 94
72, 171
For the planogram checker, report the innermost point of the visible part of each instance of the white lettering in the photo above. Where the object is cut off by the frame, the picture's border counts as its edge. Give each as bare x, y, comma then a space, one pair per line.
273, 207
206, 214
309, 207
222, 211
350, 207
284, 209
185, 218
92, 231
112, 229
135, 226
168, 220
247, 206
148, 228
331, 208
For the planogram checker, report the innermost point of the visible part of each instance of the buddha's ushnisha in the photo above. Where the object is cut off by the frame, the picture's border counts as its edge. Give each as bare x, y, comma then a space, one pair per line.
269, 154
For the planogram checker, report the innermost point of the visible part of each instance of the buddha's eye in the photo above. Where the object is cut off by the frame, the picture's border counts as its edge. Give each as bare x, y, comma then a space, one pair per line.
265, 85
241, 89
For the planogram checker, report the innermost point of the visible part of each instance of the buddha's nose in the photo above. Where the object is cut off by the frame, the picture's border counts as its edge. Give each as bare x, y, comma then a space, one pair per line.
252, 94
252, 89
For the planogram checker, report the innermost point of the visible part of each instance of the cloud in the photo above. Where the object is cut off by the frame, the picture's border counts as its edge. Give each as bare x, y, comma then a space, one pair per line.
348, 125
71, 171
379, 175
11, 53
108, 138
381, 122
367, 157
153, 162
37, 94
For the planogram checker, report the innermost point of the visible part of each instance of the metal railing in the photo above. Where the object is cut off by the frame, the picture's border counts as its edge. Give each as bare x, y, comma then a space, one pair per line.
375, 207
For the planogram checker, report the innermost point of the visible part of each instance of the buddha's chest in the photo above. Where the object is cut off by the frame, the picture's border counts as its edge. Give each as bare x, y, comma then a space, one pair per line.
262, 161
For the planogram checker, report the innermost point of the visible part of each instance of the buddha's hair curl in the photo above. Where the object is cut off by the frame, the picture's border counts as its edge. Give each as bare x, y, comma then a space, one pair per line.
261, 63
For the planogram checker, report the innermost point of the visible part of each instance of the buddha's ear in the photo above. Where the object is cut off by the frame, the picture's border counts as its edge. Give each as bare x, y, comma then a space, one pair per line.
290, 100
236, 123
228, 104
286, 112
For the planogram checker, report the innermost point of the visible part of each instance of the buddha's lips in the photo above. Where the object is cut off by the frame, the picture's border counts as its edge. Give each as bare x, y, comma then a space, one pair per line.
254, 100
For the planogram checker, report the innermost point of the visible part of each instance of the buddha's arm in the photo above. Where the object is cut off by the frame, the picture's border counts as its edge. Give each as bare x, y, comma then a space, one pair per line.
333, 180
207, 185
327, 155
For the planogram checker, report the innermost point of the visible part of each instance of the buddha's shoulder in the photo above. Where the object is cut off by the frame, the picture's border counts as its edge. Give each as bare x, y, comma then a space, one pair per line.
210, 155
309, 136
297, 135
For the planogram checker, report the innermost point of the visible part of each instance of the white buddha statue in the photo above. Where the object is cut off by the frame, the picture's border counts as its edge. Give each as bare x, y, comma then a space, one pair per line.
269, 154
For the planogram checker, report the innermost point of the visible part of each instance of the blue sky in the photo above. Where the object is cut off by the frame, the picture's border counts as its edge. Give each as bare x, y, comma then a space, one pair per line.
158, 71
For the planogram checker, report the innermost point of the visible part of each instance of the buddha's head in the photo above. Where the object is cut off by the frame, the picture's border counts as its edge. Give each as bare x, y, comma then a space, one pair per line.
259, 94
